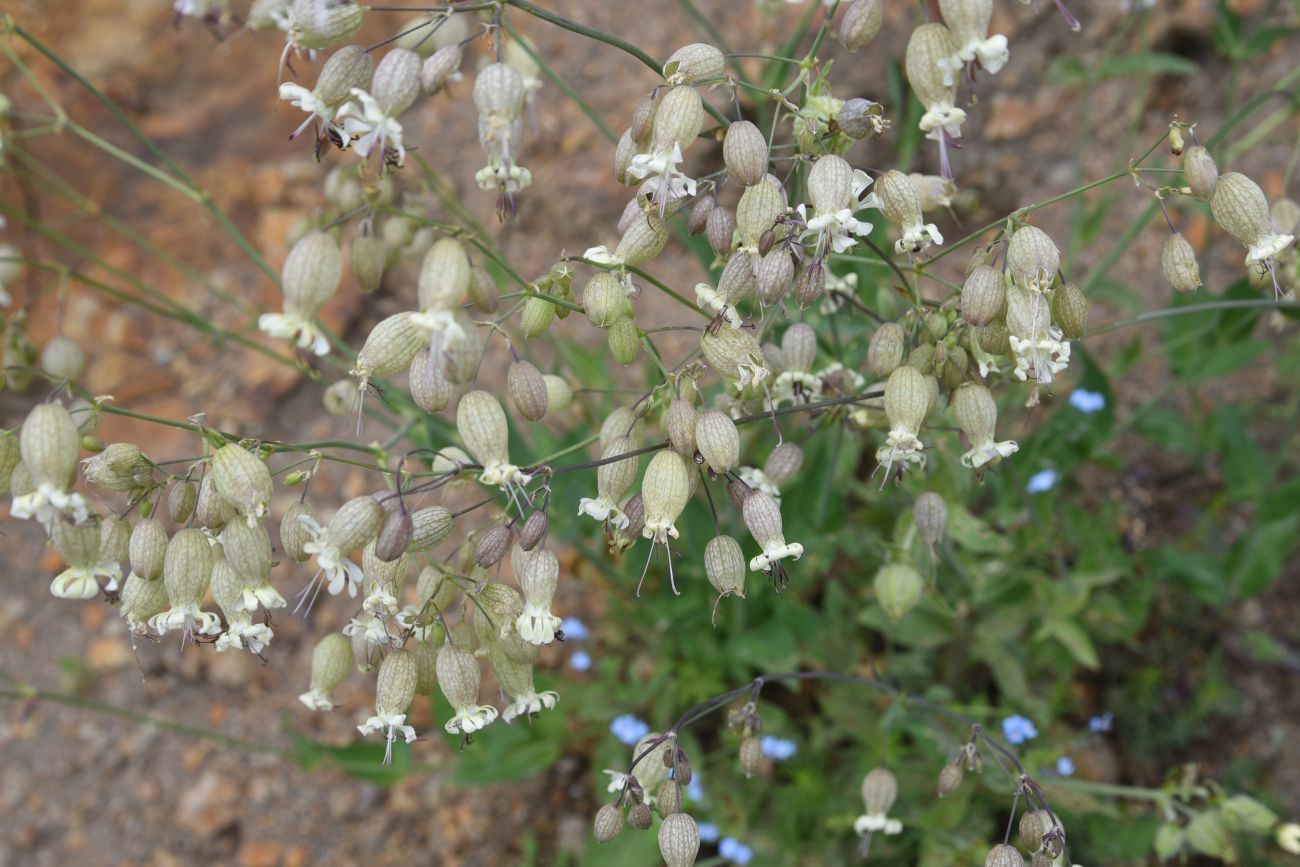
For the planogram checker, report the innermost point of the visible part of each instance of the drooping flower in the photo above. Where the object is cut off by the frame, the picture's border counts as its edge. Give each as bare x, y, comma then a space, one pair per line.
362, 119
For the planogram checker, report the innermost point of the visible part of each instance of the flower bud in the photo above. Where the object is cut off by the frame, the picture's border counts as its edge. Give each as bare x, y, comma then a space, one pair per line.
1200, 171
885, 349
603, 299
440, 67
758, 209
810, 284
430, 527
930, 514
949, 779
994, 338
62, 358
609, 823
120, 467
694, 63
718, 441
720, 229
355, 523
678, 119
395, 535
390, 347
682, 419
315, 24
624, 341
1032, 827
861, 23
679, 840
1032, 258
724, 565
293, 532
1179, 265
699, 219
782, 464
1239, 206
929, 44
641, 817
428, 382
147, 548
738, 278
665, 489
668, 799
534, 530
898, 588
481, 423
444, 275
751, 756
731, 351
775, 275
859, 118
527, 390
1003, 855
492, 546
114, 539
983, 296
242, 480
1070, 310
49, 445
643, 240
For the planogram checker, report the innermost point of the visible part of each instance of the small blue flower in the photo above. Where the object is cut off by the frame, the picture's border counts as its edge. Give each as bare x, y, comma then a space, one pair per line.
1103, 723
1086, 401
778, 749
735, 851
574, 629
1017, 729
1042, 481
628, 729
708, 831
1065, 766
580, 661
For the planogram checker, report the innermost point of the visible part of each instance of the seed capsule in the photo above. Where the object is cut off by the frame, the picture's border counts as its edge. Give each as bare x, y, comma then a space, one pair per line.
603, 300
187, 567
744, 152
499, 90
798, 348
679, 840
1032, 827
930, 514
395, 535
395, 689
668, 799
782, 464
861, 22
694, 63
907, 398
430, 388
759, 207
534, 530
1200, 171
720, 229
248, 550
492, 546
949, 779
1239, 206
682, 419
898, 588
641, 817
609, 823
355, 523
1070, 310
1003, 855
316, 24
181, 500
527, 390
724, 565
885, 350
311, 273
440, 67
148, 548
624, 341
1032, 258
927, 46
49, 445
293, 532
733, 352
390, 347
665, 490
536, 316
678, 119
775, 275
444, 275
809, 284
983, 296
63, 359
718, 441
643, 240
738, 278
242, 480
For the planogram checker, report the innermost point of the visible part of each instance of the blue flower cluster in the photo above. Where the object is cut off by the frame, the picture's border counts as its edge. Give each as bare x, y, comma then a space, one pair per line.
628, 729
778, 749
735, 851
1017, 729
575, 630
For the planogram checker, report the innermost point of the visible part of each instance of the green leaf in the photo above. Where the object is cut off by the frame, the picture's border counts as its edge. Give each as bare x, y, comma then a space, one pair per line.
1147, 63
1169, 841
509, 752
1256, 560
363, 759
1208, 834
1244, 813
1074, 638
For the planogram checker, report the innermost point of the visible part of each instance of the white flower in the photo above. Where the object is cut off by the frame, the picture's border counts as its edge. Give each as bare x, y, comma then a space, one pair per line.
901, 445
308, 101
942, 116
865, 824
380, 603
602, 256
753, 372
292, 325
242, 632
392, 726
437, 322
1288, 837
791, 384
47, 503
316, 699
992, 54
710, 299
407, 617
602, 509
837, 228
497, 175
470, 719
82, 582
1040, 356
373, 627
838, 288
363, 119
917, 238
756, 480
532, 703
338, 571
773, 552
187, 618
537, 625
673, 183
1267, 247
617, 780
988, 451
264, 595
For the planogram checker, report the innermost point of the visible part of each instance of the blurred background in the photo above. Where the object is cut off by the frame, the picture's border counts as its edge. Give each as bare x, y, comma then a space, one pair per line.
1126, 582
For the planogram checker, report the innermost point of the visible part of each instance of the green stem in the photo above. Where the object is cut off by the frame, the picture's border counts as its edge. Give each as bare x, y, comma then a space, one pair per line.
1153, 315
562, 84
